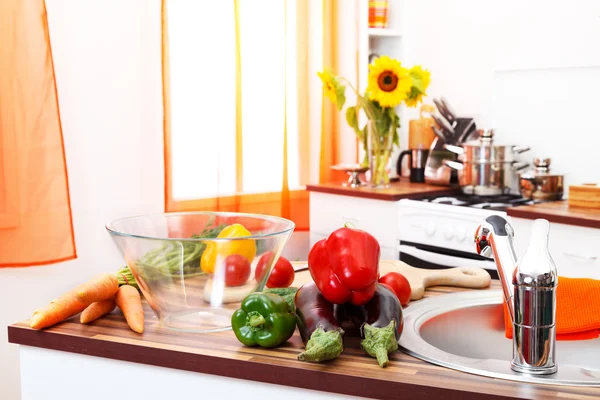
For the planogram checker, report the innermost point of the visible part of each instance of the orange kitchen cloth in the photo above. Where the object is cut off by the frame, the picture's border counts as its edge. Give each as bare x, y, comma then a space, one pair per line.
577, 309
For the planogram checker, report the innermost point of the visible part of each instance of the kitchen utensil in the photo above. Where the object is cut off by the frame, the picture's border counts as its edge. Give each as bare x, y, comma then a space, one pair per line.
454, 149
444, 125
436, 173
586, 195
417, 161
466, 131
449, 109
183, 277
420, 132
420, 279
440, 134
352, 170
444, 112
539, 183
486, 168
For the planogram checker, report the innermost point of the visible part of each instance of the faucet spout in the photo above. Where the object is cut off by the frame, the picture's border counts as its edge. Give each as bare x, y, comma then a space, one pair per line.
495, 237
529, 292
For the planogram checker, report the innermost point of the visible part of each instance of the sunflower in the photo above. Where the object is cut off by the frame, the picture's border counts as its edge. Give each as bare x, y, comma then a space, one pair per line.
389, 83
333, 89
421, 78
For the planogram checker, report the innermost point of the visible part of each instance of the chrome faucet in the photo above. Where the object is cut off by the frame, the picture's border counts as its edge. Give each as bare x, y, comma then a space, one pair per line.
529, 292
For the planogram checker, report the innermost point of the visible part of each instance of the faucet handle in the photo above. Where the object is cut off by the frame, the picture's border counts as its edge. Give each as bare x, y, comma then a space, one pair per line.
493, 224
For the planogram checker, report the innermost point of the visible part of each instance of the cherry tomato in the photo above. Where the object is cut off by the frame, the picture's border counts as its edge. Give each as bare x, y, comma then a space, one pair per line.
237, 270
282, 274
399, 285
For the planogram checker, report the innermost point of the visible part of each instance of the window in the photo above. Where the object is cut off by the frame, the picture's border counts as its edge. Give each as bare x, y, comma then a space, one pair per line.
202, 61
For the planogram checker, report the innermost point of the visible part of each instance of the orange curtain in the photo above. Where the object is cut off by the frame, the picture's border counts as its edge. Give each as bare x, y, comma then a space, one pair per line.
35, 211
330, 123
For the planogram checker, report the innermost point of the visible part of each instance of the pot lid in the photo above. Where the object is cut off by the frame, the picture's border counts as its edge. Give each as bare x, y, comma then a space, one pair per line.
541, 167
485, 139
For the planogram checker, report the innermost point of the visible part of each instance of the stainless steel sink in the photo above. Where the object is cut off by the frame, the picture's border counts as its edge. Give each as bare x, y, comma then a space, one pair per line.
465, 331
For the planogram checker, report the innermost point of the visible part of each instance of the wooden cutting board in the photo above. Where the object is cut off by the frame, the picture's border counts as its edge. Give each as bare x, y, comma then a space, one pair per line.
419, 278
586, 196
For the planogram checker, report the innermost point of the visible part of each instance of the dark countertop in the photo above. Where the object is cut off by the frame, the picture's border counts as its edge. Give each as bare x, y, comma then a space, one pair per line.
397, 190
353, 373
558, 212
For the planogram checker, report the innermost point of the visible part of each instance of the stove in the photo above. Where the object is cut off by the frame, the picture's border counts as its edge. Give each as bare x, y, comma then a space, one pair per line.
437, 231
499, 203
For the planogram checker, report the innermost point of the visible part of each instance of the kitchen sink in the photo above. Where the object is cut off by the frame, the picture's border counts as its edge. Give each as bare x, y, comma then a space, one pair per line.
465, 331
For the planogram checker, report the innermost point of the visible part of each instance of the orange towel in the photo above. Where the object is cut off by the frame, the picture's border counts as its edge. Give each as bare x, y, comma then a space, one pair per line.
577, 309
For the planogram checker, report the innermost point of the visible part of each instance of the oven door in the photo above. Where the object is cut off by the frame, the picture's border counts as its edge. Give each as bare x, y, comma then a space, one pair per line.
431, 257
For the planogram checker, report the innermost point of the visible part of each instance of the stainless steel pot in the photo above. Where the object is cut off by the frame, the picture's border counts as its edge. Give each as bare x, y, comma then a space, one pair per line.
539, 183
485, 169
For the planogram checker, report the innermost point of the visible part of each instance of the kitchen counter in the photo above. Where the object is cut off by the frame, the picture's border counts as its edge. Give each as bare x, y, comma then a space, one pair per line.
397, 190
216, 355
559, 212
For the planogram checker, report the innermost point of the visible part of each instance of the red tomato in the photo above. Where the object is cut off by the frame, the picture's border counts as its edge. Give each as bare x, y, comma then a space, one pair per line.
282, 274
237, 270
389, 287
399, 285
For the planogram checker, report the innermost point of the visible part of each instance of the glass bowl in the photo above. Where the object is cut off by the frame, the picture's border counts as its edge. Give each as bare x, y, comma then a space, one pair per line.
192, 279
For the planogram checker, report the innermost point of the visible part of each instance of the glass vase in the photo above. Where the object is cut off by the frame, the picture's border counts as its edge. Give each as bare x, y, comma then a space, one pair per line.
380, 144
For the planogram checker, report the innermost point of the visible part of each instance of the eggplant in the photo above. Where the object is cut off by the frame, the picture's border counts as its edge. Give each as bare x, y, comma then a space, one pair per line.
380, 322
383, 325
319, 329
382, 309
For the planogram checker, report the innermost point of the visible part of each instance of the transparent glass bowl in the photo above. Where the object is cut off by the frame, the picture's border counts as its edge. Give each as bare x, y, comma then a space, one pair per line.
185, 287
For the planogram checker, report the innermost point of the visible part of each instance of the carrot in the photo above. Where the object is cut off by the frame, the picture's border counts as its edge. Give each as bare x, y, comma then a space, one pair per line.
101, 287
129, 301
96, 310
58, 310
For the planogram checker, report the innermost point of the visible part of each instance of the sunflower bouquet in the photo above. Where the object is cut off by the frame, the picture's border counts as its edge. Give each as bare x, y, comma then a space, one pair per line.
389, 85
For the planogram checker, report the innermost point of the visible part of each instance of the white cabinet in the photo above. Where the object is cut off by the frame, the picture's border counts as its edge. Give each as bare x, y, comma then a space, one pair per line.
329, 212
575, 249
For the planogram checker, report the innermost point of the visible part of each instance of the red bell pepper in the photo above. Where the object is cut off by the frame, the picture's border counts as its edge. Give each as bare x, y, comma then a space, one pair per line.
345, 266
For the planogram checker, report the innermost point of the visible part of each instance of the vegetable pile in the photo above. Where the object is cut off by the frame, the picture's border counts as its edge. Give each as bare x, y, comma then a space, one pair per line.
347, 291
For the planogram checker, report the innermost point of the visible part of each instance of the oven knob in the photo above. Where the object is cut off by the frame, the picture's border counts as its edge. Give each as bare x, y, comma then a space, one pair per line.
461, 235
448, 233
430, 229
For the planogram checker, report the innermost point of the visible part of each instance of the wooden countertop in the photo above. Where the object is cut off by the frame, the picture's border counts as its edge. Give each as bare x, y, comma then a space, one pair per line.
559, 212
397, 190
353, 373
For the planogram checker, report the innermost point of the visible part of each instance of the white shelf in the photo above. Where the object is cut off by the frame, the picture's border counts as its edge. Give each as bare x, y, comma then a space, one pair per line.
380, 32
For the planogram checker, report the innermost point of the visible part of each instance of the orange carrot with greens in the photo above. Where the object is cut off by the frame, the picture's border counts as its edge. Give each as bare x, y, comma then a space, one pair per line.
129, 301
96, 310
101, 287
58, 310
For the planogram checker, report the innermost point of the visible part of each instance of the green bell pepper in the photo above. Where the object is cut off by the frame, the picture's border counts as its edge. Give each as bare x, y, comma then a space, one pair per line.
264, 319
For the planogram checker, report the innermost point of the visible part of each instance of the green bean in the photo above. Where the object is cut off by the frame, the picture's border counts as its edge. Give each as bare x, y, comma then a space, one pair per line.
178, 258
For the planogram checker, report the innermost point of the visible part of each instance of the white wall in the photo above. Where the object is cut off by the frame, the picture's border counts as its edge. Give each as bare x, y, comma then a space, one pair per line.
107, 58
530, 69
